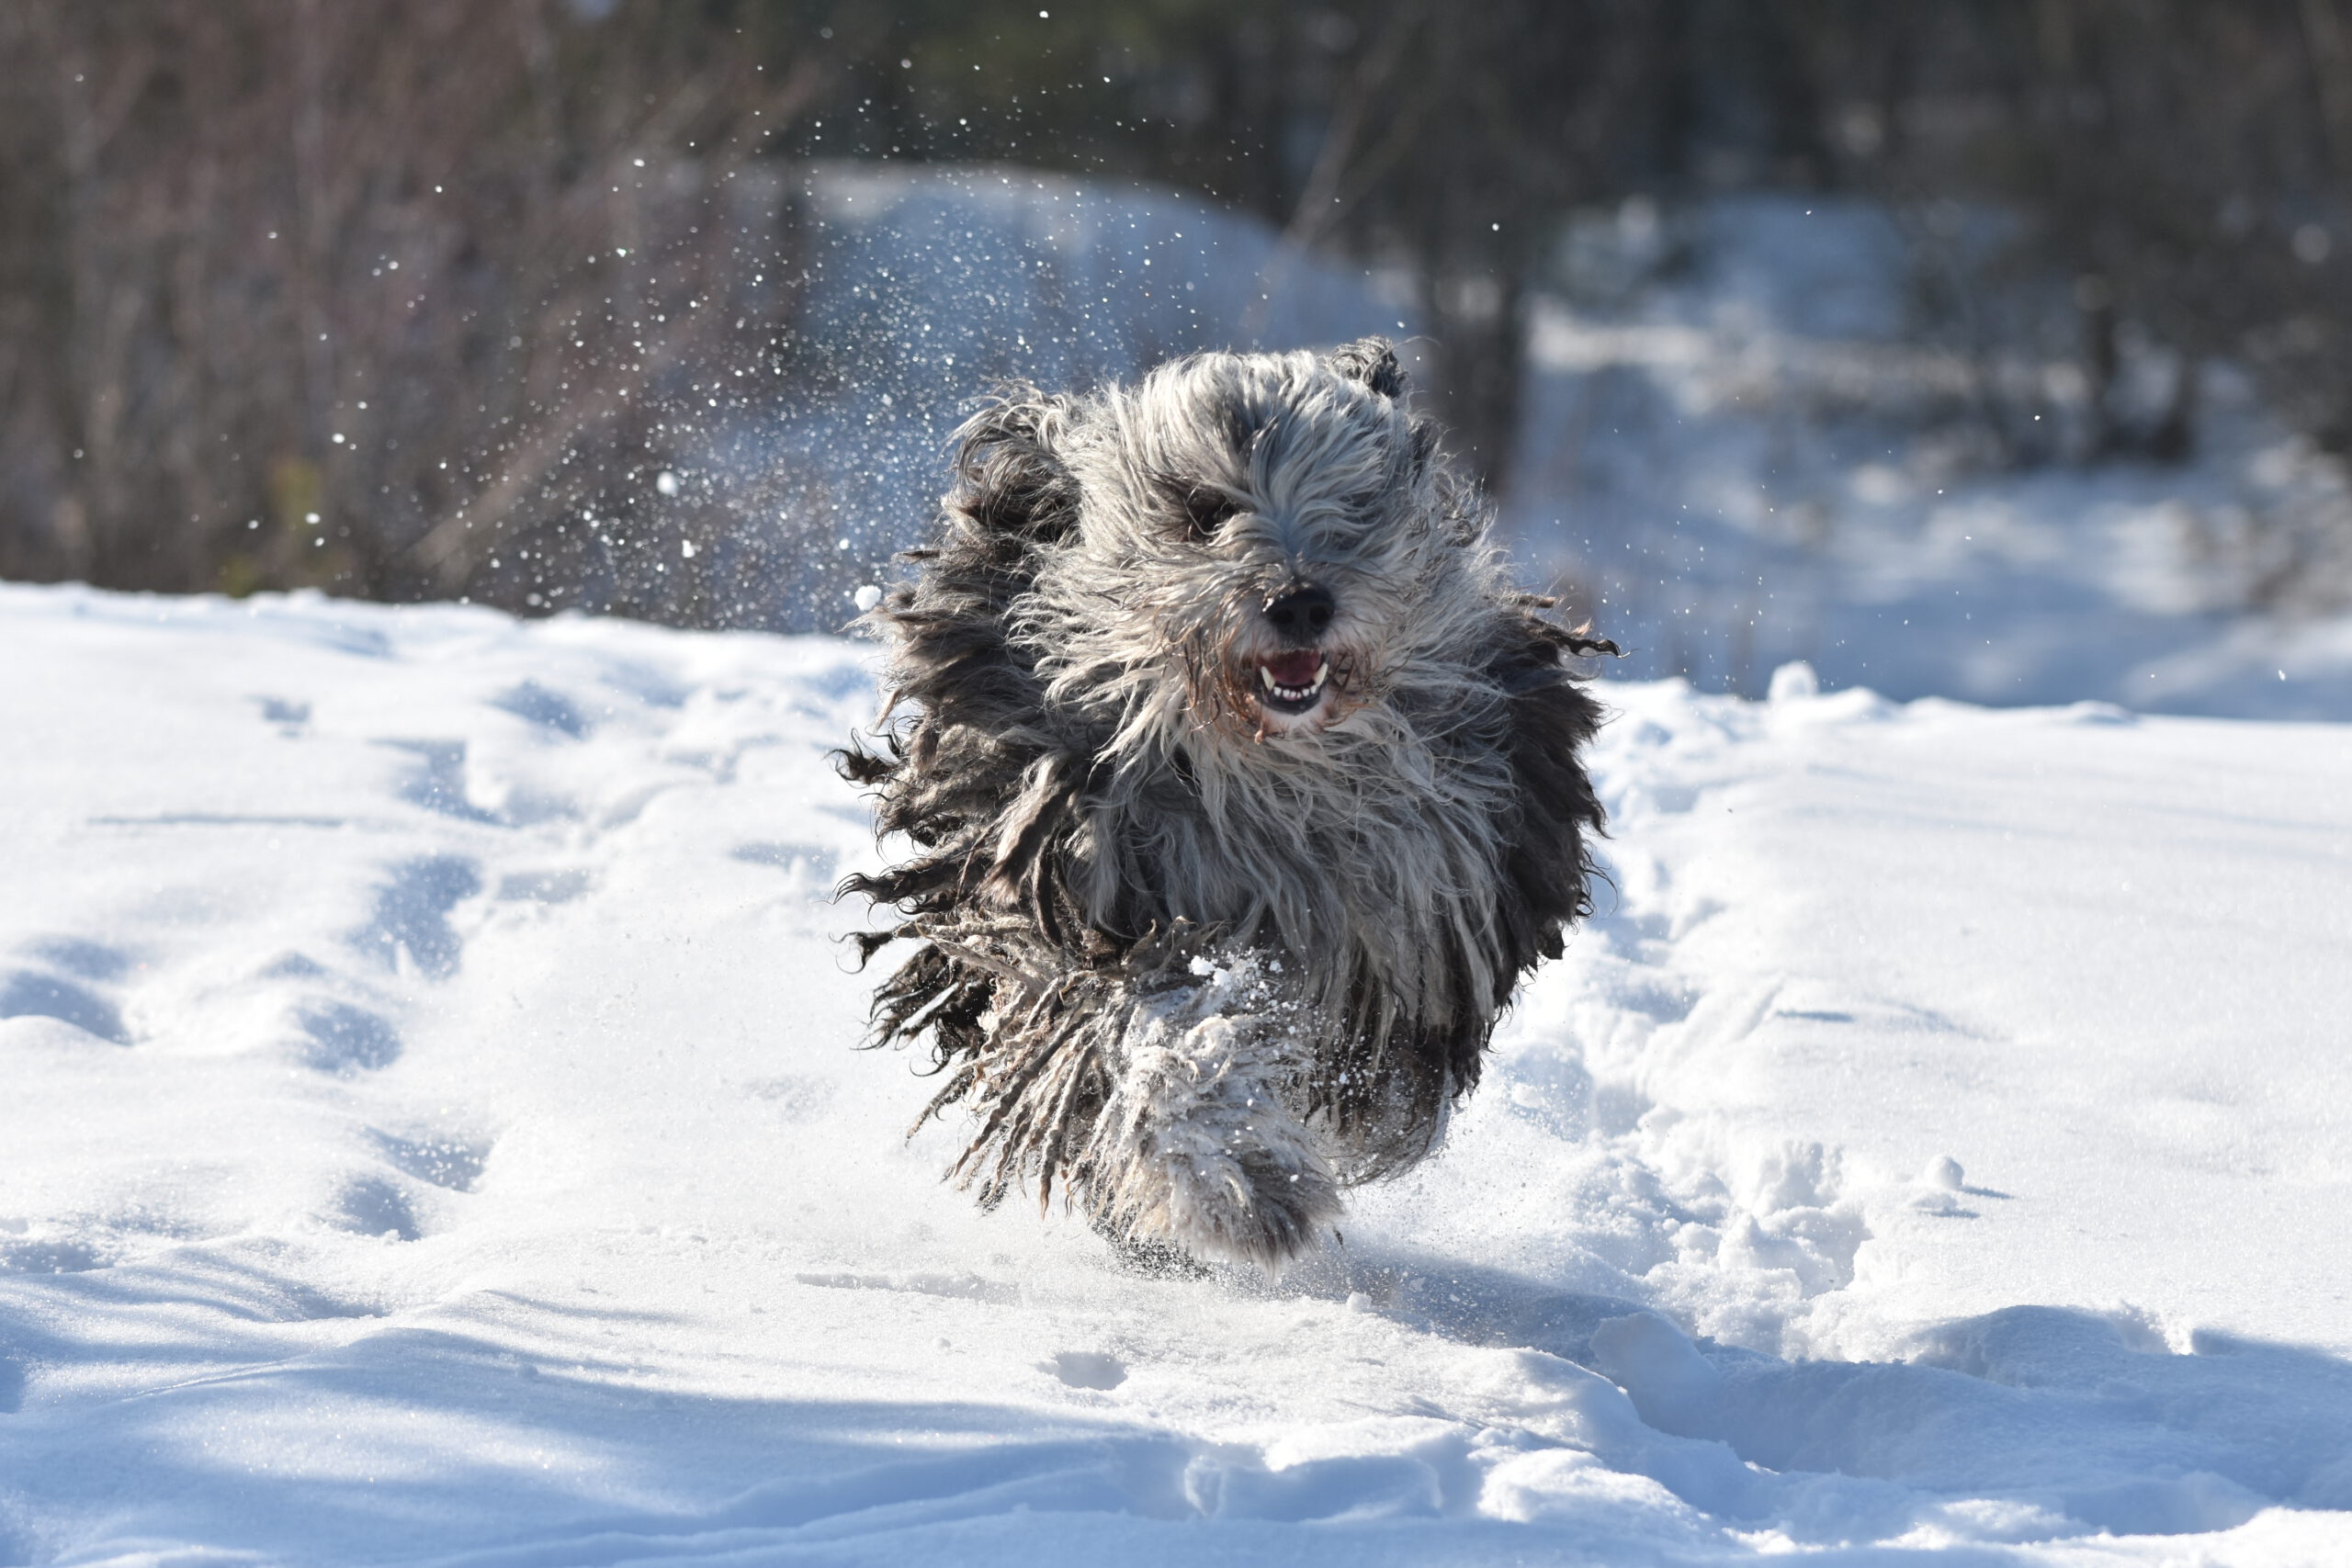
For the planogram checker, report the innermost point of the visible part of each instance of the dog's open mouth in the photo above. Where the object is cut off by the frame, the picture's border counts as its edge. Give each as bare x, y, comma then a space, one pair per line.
1294, 683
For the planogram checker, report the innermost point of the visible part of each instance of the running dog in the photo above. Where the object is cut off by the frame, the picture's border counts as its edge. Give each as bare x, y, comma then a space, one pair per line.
1240, 789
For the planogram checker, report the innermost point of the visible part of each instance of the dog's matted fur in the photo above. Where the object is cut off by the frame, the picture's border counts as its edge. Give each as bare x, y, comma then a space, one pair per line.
1242, 788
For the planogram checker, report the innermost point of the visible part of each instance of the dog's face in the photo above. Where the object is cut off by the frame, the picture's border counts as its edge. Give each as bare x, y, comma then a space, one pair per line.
1262, 542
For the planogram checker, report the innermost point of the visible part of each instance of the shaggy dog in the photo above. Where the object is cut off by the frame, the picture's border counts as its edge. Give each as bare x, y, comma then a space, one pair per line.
1242, 789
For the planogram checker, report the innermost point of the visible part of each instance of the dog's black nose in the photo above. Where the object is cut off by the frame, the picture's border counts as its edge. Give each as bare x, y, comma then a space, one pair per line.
1301, 614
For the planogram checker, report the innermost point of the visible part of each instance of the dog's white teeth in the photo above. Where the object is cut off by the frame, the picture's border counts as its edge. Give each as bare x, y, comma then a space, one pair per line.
1296, 693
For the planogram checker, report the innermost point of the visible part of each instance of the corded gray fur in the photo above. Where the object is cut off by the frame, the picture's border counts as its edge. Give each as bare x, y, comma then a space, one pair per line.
1240, 789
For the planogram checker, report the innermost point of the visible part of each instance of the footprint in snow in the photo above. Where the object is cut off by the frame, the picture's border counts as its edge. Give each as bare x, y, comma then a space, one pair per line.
373, 1206
1087, 1368
439, 784
412, 914
47, 992
79, 955
284, 712
548, 709
47, 1256
340, 1038
28, 993
452, 1163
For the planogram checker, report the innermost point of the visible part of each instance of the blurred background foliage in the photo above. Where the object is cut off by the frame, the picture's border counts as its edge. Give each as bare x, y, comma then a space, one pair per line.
436, 298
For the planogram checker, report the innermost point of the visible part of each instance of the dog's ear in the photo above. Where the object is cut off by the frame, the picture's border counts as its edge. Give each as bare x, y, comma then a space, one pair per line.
1372, 361
1009, 477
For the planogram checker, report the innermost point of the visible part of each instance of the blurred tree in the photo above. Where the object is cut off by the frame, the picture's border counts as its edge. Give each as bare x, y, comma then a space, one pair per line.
295, 292
2187, 165
408, 298
1443, 141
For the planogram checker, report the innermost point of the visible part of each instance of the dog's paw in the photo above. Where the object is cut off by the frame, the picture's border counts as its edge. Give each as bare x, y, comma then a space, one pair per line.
1203, 1155
1234, 1207
1269, 1215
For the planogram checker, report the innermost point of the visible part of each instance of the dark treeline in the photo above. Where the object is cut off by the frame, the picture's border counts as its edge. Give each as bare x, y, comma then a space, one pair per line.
360, 296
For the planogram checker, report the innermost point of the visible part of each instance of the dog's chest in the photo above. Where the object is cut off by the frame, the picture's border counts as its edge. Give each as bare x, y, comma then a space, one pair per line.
1376, 865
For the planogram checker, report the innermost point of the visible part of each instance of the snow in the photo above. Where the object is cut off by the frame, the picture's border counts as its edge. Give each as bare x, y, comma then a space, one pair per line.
432, 1136
1746, 443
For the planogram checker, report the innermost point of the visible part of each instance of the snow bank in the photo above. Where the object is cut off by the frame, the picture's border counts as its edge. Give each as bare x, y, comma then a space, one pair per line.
432, 1135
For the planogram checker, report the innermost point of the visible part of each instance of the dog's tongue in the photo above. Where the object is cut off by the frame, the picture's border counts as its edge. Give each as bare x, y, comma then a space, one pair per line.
1295, 669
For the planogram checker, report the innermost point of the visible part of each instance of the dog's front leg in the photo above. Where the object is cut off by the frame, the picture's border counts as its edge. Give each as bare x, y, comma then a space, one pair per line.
1201, 1148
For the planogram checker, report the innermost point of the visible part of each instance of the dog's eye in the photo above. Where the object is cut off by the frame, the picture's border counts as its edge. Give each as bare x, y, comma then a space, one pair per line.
1207, 511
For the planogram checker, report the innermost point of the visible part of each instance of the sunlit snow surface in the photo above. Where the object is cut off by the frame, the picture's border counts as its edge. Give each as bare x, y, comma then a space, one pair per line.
429, 1131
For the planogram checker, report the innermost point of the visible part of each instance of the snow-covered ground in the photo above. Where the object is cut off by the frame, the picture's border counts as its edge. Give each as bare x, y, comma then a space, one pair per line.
1749, 443
430, 1132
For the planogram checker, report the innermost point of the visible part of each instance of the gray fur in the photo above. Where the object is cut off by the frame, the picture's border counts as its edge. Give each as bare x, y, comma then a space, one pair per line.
1204, 949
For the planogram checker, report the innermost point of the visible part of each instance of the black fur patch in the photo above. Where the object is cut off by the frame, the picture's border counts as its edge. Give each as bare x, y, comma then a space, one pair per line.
1372, 361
